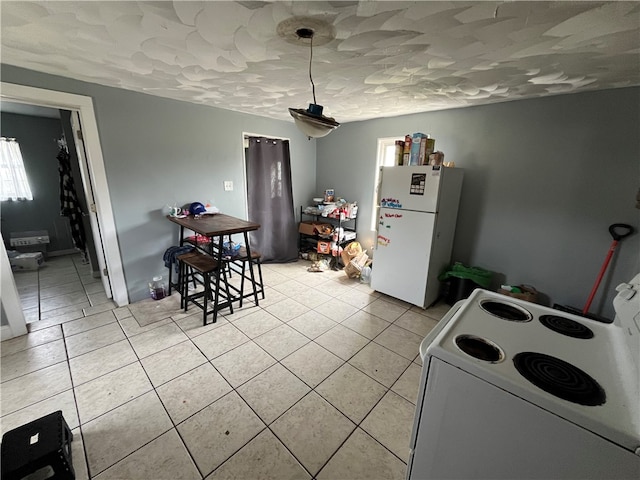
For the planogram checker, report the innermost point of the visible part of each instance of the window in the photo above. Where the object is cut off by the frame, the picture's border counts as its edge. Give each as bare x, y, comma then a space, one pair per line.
15, 185
386, 158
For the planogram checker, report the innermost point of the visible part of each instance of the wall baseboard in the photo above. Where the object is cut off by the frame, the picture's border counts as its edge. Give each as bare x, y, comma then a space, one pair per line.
6, 333
60, 253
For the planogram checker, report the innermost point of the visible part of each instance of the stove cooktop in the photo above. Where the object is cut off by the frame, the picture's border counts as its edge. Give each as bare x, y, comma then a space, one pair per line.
577, 368
566, 326
559, 378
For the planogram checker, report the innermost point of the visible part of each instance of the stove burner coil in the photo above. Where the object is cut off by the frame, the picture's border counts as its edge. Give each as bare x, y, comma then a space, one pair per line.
566, 326
479, 348
559, 378
506, 311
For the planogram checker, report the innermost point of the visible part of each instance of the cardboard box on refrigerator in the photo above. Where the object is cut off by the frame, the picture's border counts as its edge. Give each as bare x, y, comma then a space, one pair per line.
416, 147
27, 261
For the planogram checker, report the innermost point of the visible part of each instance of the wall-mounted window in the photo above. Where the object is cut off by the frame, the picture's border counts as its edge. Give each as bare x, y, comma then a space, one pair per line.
386, 158
14, 183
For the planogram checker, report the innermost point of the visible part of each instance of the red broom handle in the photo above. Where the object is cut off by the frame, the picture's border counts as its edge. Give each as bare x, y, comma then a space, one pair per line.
603, 269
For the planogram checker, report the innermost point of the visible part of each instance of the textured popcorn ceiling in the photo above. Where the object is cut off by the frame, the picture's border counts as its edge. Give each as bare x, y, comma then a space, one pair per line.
388, 58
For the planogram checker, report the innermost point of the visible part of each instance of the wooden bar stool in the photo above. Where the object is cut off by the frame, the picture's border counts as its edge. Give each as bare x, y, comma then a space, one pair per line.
257, 285
205, 266
179, 284
42, 446
170, 257
237, 263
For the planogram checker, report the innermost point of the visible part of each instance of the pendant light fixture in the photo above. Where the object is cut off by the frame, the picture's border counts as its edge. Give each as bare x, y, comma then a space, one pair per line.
311, 121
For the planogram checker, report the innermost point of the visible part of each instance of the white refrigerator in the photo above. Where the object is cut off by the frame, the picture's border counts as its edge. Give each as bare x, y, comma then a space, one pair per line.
417, 211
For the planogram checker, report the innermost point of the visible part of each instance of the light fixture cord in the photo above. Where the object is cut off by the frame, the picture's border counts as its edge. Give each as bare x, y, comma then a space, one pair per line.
313, 86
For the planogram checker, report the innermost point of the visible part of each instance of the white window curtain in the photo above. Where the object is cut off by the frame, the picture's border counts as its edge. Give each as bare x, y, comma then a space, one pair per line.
15, 185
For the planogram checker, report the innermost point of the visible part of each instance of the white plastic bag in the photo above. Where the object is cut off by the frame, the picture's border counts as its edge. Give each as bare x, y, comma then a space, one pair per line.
365, 275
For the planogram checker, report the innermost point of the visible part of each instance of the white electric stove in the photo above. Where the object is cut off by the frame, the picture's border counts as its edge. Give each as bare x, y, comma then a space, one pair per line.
512, 389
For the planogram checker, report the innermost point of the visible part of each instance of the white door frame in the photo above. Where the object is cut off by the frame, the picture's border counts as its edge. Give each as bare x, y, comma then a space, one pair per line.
106, 235
89, 195
10, 299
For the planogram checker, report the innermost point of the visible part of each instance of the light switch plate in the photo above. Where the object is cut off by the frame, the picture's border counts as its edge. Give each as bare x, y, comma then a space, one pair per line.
228, 185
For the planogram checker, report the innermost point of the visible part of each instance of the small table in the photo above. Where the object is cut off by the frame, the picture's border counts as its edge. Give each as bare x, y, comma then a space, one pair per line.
219, 225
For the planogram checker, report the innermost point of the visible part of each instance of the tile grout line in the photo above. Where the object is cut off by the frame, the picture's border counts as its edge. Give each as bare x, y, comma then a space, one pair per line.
369, 341
189, 338
234, 389
312, 389
175, 426
75, 402
39, 299
73, 386
153, 389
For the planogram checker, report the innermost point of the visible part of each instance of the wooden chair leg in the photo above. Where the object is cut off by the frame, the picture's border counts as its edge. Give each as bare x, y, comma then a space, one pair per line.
260, 277
244, 269
210, 298
227, 291
207, 293
185, 271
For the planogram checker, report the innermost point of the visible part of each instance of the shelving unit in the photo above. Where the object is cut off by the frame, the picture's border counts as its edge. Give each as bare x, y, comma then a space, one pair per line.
309, 242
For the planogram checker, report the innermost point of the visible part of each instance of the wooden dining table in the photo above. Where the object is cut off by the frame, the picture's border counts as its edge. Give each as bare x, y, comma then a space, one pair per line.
216, 227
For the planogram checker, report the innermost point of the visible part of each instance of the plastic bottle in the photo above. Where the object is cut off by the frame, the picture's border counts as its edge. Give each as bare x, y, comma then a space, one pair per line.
365, 275
156, 288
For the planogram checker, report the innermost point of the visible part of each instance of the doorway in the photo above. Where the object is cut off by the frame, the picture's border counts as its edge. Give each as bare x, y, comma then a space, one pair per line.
94, 182
270, 198
69, 279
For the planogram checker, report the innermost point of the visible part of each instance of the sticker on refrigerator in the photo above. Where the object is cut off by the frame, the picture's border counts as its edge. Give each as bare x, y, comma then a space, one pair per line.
390, 203
383, 241
418, 182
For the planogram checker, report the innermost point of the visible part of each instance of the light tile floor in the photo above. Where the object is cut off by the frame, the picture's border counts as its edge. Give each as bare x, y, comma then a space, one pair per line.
319, 381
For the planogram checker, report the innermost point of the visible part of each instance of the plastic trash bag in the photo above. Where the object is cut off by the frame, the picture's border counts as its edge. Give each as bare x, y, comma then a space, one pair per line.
478, 275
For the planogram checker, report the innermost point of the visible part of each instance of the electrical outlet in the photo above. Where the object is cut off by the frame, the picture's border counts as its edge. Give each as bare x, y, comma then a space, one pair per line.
228, 185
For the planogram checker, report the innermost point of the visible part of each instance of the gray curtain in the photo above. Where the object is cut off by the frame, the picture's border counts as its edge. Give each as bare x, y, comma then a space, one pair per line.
270, 199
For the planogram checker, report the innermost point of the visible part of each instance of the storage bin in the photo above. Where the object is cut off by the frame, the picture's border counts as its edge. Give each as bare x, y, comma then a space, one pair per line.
27, 261
459, 289
463, 280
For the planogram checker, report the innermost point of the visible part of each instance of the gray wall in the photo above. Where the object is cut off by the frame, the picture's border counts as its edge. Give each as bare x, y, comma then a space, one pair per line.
159, 151
36, 136
544, 178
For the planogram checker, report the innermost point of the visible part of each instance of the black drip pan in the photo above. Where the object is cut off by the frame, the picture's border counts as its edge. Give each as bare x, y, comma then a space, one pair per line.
577, 311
